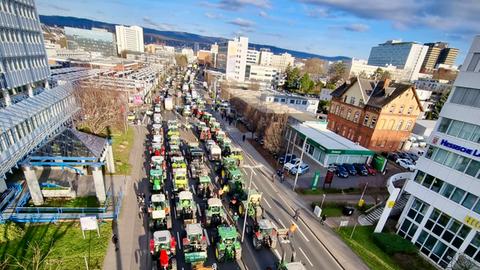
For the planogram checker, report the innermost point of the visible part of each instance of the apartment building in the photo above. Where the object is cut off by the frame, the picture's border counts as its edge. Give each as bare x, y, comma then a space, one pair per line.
442, 215
377, 115
438, 53
129, 38
96, 40
31, 111
232, 58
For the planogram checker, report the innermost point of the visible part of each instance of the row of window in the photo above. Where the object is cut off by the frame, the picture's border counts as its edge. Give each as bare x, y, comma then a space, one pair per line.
456, 194
10, 7
466, 96
460, 129
401, 109
19, 64
20, 36
393, 125
472, 66
12, 136
454, 161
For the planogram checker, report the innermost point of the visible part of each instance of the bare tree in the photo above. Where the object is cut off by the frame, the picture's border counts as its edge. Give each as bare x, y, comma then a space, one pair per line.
101, 107
464, 263
38, 260
315, 68
273, 139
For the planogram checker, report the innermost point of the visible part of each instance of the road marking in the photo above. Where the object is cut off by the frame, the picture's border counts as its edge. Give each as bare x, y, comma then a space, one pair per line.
194, 192
277, 254
254, 185
206, 234
306, 257
178, 241
283, 225
199, 212
254, 173
265, 200
299, 230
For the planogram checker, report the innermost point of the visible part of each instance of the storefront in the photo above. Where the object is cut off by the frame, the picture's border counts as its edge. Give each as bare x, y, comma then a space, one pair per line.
325, 146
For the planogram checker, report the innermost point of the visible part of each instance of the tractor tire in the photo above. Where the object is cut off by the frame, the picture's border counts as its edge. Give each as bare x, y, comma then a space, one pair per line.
219, 256
173, 264
256, 244
241, 210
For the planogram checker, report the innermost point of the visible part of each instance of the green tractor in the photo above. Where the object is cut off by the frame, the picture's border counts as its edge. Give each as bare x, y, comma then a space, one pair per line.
235, 153
215, 213
157, 179
236, 183
159, 209
204, 184
186, 208
228, 247
178, 162
252, 205
195, 244
180, 180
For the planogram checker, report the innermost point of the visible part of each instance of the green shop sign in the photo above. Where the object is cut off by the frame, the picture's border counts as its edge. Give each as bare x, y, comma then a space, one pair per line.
336, 151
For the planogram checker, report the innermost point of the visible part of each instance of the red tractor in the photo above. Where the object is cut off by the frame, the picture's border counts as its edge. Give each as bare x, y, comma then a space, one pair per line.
163, 249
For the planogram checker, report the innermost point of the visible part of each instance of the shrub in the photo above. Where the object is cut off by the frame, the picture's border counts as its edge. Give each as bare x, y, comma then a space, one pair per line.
10, 231
392, 243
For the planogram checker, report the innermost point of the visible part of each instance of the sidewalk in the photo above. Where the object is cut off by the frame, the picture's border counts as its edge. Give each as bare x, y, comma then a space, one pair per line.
132, 237
329, 239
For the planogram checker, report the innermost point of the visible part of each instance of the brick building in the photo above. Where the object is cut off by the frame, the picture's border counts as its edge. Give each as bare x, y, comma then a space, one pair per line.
377, 115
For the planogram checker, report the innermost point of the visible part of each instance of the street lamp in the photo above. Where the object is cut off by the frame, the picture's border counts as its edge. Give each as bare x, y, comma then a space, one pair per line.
301, 160
248, 196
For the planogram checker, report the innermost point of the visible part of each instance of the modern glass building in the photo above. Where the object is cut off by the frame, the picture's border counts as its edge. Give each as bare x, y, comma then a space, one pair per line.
95, 40
442, 216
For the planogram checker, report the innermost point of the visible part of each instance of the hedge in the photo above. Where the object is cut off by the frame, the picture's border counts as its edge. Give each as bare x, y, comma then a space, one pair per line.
392, 243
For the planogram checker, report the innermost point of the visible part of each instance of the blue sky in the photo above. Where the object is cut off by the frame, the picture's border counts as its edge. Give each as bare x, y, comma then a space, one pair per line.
327, 27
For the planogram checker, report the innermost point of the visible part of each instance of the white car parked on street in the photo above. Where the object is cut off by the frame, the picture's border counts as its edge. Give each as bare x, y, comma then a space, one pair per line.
406, 164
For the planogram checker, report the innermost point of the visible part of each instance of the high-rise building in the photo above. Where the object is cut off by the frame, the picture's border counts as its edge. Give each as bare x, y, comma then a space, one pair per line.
196, 47
438, 53
232, 58
129, 38
31, 112
442, 215
93, 41
404, 55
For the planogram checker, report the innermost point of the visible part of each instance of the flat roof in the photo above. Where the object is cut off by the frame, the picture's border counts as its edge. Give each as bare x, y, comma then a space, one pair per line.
328, 141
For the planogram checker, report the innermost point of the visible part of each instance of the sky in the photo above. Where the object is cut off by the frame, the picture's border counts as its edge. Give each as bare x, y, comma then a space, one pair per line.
327, 27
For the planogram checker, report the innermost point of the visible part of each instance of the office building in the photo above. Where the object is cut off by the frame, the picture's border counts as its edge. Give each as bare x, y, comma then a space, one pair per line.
94, 41
438, 53
442, 215
232, 58
262, 74
31, 111
403, 55
129, 38
357, 67
253, 57
377, 115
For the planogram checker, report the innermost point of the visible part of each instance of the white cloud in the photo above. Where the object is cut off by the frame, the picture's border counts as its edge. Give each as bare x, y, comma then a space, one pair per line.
357, 27
242, 23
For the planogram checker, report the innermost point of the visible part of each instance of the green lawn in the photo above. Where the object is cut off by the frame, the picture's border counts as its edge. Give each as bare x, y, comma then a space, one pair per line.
122, 144
89, 201
62, 245
330, 209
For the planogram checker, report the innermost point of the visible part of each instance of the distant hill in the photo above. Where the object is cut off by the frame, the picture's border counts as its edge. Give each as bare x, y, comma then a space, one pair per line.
171, 38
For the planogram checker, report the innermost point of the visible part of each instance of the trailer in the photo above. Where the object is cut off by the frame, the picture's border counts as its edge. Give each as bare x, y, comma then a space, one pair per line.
168, 103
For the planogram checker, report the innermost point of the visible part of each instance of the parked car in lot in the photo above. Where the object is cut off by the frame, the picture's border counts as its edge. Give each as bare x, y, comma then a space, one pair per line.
286, 158
303, 168
351, 169
406, 164
289, 165
392, 156
361, 169
371, 170
341, 171
413, 156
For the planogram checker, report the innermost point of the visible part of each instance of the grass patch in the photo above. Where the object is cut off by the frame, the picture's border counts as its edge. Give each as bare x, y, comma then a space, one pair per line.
307, 191
88, 201
376, 257
122, 144
62, 244
330, 209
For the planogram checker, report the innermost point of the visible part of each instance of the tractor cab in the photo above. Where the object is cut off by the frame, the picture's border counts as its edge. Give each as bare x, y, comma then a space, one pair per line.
175, 150
215, 214
204, 182
178, 162
158, 162
160, 212
195, 244
228, 247
264, 234
157, 179
180, 181
252, 205
237, 154
186, 208
163, 249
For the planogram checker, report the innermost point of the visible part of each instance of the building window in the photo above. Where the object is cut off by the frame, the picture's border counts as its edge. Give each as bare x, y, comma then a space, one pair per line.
349, 114
345, 99
460, 129
292, 101
304, 102
356, 116
410, 110
337, 109
474, 62
365, 120
400, 111
361, 102
352, 100
282, 100
408, 126
399, 125
392, 108
466, 96
373, 122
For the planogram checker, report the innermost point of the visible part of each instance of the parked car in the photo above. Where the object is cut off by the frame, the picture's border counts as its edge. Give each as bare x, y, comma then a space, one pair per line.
403, 155
371, 170
392, 156
361, 169
406, 164
350, 168
286, 158
303, 168
289, 165
341, 171
413, 156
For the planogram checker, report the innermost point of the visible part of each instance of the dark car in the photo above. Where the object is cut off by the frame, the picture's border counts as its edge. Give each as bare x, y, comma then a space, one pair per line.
350, 168
393, 156
341, 171
371, 170
286, 158
361, 169
413, 156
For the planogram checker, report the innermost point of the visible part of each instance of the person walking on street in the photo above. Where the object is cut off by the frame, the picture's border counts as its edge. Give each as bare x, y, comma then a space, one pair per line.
282, 177
243, 137
115, 241
324, 218
297, 214
273, 177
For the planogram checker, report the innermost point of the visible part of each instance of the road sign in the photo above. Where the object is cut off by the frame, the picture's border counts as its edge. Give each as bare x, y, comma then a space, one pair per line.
314, 184
344, 223
317, 211
89, 223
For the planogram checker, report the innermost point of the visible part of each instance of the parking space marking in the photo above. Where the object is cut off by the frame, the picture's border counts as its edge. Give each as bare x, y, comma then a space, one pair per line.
306, 257
254, 185
277, 254
178, 241
265, 200
300, 231
206, 235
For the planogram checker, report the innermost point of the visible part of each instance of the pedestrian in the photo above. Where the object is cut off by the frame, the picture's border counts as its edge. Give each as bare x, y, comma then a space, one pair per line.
297, 214
115, 241
243, 137
220, 193
293, 228
209, 192
140, 211
273, 177
324, 218
282, 177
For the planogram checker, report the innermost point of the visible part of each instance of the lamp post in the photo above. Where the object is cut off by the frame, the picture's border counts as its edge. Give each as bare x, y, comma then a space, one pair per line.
248, 196
301, 160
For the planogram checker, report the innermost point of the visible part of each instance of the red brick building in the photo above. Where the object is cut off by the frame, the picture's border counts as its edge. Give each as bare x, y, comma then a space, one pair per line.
378, 115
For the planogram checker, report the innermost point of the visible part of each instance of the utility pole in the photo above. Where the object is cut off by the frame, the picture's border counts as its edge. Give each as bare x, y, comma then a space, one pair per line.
301, 160
248, 197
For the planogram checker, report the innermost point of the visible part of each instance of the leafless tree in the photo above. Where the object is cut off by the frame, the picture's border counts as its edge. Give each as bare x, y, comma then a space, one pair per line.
464, 263
38, 260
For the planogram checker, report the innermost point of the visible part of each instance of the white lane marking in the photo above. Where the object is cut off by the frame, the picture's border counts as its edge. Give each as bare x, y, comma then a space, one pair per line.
254, 185
306, 257
277, 254
199, 212
281, 223
299, 230
178, 241
194, 192
254, 173
206, 234
265, 200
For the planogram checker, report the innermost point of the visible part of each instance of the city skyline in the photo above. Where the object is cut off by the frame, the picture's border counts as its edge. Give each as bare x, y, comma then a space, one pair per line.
319, 26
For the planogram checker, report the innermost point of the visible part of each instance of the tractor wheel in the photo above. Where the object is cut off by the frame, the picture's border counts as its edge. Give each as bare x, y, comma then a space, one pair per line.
173, 264
219, 255
241, 210
256, 244
248, 230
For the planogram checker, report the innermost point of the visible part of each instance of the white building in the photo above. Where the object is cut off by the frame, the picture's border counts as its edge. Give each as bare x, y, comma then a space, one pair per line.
438, 87
357, 66
188, 52
232, 57
253, 57
442, 215
326, 94
267, 74
403, 55
282, 61
129, 38
300, 103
